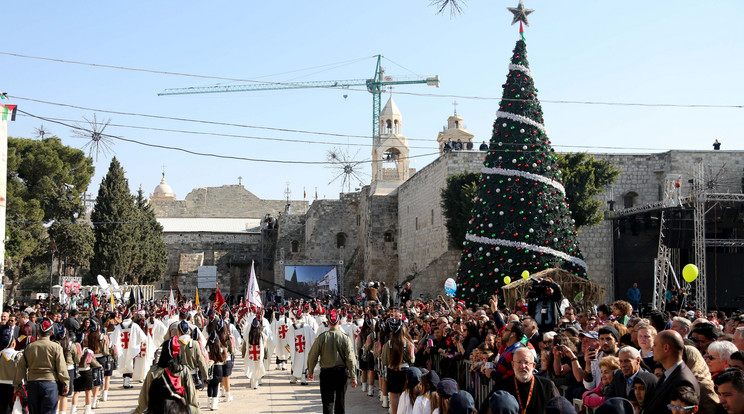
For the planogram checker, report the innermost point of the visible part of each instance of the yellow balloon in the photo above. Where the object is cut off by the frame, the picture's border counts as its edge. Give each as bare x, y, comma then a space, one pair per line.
507, 280
690, 273
525, 274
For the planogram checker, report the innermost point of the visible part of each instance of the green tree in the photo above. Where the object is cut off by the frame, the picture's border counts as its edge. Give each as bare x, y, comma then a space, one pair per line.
585, 178
128, 239
521, 219
45, 181
152, 250
115, 227
457, 201
74, 244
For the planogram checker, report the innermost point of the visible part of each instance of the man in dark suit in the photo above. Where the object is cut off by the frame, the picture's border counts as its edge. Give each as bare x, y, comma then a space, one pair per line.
630, 369
668, 348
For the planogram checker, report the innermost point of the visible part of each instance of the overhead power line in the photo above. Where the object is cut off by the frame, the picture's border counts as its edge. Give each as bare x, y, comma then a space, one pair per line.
207, 154
218, 134
52, 119
432, 95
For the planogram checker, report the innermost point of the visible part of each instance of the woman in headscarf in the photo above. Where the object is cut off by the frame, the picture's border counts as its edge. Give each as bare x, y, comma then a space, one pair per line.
168, 386
643, 388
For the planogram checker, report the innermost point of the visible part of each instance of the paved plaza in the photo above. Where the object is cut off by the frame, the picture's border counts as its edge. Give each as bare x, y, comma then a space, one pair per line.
276, 395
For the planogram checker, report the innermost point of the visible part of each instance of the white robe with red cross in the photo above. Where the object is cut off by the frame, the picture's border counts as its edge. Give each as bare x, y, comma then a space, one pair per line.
302, 337
254, 358
135, 349
156, 330
282, 344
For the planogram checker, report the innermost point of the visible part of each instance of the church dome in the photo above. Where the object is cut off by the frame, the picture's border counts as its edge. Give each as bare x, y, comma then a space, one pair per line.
163, 191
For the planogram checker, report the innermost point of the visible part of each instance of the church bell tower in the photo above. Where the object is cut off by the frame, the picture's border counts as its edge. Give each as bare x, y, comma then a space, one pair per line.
390, 152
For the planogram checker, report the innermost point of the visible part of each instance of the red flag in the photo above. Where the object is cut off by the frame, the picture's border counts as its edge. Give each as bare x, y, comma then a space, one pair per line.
95, 302
219, 301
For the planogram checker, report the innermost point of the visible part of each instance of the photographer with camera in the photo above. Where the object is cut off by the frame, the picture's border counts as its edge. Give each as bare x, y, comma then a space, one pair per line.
546, 297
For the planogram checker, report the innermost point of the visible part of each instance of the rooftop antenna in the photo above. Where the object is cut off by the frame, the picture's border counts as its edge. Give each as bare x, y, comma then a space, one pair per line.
287, 194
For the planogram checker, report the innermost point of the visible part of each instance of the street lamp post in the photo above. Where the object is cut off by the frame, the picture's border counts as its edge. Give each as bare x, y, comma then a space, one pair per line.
52, 250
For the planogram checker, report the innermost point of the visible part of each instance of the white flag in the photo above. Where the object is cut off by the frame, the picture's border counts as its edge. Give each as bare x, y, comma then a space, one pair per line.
252, 293
172, 300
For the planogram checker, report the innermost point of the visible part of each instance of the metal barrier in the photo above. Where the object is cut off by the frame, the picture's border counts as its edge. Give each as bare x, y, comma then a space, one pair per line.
474, 382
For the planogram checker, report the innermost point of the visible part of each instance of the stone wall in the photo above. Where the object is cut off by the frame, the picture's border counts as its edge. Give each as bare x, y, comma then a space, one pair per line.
379, 238
224, 201
231, 253
644, 175
423, 247
318, 233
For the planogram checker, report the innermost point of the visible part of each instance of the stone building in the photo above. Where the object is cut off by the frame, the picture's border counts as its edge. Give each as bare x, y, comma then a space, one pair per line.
227, 227
393, 229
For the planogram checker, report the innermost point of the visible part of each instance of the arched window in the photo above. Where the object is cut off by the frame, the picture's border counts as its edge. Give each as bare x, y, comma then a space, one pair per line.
295, 246
389, 125
340, 240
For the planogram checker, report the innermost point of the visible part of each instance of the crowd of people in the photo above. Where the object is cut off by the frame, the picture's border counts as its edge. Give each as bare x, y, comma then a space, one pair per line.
540, 354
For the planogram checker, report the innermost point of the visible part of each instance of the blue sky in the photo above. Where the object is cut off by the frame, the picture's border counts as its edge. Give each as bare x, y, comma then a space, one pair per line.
675, 52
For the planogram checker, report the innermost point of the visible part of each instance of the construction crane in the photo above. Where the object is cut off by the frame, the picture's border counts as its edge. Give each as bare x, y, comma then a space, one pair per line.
375, 86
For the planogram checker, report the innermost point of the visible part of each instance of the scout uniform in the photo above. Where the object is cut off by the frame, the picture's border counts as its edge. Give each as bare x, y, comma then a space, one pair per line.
337, 363
43, 364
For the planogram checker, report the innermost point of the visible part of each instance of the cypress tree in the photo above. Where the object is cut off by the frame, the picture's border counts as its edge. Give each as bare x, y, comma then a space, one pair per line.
153, 255
115, 227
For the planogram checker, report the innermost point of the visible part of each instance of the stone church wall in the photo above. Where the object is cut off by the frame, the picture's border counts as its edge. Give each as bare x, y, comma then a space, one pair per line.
231, 253
379, 236
224, 201
327, 235
423, 247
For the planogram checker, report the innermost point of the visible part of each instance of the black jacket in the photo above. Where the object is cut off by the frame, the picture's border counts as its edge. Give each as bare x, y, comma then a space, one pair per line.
618, 388
657, 403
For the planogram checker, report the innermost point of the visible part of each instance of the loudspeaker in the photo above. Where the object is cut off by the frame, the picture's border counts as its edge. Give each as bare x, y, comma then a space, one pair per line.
679, 228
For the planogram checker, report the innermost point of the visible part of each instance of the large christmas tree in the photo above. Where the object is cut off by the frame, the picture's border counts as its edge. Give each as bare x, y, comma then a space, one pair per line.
521, 219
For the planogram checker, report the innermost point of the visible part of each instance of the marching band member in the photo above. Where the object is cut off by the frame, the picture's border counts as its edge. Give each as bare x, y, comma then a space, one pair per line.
228, 342
86, 365
71, 352
168, 387
217, 357
192, 355
103, 351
